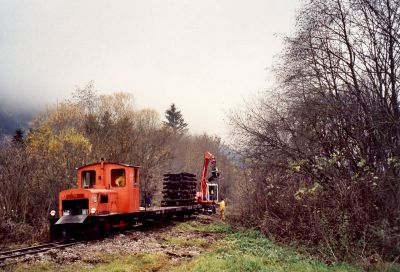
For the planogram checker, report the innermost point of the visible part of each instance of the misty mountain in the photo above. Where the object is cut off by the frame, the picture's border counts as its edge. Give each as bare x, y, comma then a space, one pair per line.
11, 119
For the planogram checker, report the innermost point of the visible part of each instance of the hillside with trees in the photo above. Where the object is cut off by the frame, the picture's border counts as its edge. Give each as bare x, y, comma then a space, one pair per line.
37, 165
323, 150
313, 162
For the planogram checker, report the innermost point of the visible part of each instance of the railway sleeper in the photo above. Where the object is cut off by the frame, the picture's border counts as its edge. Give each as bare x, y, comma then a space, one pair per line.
94, 227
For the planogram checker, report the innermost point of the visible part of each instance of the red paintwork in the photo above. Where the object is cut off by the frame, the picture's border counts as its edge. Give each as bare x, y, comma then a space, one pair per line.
120, 199
208, 157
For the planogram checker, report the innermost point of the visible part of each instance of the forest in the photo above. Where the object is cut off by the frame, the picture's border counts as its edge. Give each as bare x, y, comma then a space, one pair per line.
314, 161
322, 149
37, 165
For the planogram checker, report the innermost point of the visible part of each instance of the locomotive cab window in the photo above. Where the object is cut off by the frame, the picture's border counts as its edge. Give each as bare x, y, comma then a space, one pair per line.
103, 199
136, 176
88, 178
118, 178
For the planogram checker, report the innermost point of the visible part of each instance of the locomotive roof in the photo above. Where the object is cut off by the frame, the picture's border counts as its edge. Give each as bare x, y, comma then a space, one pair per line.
96, 163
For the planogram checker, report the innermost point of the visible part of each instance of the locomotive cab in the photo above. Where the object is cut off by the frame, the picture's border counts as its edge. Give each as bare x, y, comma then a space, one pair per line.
103, 189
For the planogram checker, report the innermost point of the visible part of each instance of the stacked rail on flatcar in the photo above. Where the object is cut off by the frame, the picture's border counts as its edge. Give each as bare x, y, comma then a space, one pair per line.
179, 189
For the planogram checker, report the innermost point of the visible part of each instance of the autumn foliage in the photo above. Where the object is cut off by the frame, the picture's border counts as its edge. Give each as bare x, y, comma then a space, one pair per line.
36, 166
323, 149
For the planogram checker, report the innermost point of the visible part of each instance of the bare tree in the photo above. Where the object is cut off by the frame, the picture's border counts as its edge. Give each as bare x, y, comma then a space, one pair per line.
325, 149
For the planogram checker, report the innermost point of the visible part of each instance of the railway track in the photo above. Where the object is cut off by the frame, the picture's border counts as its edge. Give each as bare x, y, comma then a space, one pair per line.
14, 256
11, 256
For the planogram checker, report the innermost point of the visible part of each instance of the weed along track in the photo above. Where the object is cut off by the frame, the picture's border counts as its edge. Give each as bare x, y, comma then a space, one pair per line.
158, 244
10, 257
201, 244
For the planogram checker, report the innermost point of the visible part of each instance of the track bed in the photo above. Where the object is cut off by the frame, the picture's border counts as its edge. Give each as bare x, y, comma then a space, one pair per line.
94, 226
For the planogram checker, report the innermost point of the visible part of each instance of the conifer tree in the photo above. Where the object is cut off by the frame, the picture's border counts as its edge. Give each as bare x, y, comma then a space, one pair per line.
175, 120
18, 137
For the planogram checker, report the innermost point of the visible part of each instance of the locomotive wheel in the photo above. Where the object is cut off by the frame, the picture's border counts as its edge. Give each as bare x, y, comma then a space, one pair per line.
94, 231
180, 216
104, 228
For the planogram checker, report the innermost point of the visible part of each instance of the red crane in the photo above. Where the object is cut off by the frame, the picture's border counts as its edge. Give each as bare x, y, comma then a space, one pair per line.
208, 196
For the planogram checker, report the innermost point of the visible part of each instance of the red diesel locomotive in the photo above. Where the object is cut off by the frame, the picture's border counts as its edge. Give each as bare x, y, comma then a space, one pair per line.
108, 197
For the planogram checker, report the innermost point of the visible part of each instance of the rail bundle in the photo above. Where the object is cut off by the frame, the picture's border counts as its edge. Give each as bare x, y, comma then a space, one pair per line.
179, 189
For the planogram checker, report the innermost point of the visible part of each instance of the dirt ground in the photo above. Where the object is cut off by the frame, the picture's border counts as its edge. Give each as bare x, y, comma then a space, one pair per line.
167, 239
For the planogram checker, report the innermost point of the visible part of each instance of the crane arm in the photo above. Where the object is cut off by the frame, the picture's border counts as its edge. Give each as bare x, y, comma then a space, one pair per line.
208, 157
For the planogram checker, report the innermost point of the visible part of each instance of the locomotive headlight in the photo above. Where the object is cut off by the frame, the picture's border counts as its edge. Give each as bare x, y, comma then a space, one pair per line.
93, 210
53, 213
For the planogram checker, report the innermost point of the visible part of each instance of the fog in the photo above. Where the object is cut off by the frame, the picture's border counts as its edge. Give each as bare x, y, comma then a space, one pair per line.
204, 56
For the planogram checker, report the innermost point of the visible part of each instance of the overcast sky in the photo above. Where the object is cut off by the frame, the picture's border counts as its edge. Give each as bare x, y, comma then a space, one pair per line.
205, 56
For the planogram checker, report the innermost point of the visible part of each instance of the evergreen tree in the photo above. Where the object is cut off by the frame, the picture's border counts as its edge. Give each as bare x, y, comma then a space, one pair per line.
18, 137
175, 120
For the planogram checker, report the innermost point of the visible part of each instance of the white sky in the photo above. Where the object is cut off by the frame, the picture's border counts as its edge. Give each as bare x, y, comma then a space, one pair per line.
205, 56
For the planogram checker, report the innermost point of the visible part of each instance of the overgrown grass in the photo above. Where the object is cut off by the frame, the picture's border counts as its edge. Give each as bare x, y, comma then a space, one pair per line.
187, 242
215, 227
250, 251
135, 263
237, 250
384, 267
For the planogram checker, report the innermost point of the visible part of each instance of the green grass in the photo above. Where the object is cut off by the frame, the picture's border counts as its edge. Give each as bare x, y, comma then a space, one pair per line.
234, 250
250, 251
187, 242
385, 267
215, 227
133, 263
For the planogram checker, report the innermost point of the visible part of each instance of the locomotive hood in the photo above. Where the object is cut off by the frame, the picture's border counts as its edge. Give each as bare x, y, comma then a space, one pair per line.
75, 205
83, 193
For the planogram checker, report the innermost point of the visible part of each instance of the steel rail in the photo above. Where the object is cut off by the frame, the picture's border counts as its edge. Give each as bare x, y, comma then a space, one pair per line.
13, 254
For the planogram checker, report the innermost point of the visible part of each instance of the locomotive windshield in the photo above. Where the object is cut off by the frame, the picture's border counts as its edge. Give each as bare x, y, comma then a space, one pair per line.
88, 178
118, 178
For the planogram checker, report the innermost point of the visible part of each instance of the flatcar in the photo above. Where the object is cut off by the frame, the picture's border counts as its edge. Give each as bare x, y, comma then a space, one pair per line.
107, 197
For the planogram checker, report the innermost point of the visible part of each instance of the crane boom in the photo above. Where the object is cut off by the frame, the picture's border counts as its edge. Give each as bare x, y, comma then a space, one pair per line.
208, 195
207, 158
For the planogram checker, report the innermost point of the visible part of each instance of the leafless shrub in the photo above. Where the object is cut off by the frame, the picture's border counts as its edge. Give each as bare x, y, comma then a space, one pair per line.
324, 153
34, 169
